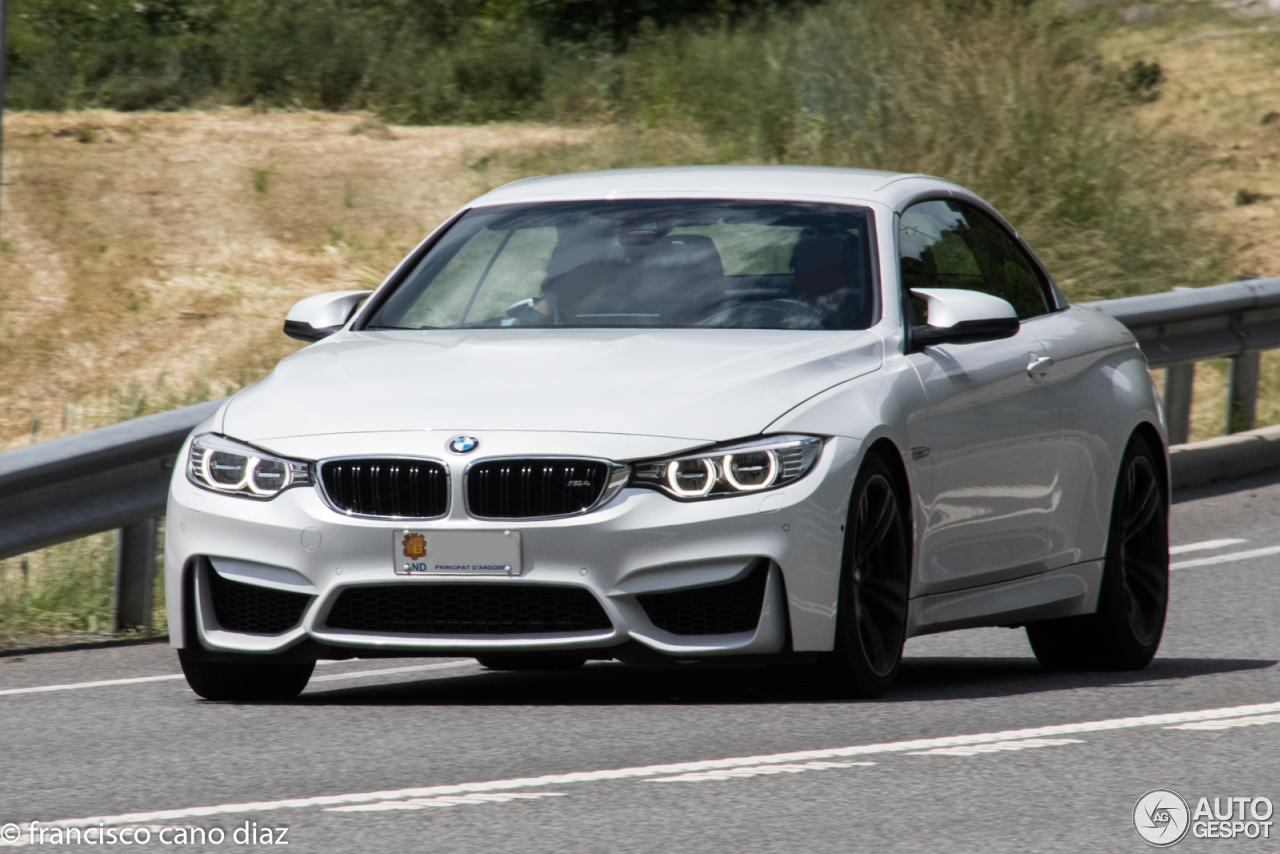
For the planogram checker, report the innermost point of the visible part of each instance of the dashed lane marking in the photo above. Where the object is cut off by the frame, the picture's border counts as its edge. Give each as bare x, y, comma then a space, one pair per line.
448, 801
1226, 558
1204, 546
1229, 723
648, 771
996, 747
755, 771
140, 680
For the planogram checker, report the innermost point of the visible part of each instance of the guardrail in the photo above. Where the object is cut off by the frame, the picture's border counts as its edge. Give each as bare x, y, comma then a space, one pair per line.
112, 477
1187, 325
118, 476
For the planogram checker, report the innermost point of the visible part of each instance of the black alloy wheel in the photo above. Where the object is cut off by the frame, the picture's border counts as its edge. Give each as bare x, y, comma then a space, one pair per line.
1144, 551
1125, 632
871, 623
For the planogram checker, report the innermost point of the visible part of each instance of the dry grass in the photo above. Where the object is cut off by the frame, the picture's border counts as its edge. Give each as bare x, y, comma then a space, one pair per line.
1222, 94
1222, 84
149, 252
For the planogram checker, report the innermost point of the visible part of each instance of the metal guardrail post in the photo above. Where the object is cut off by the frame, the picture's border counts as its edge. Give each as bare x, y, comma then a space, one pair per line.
1242, 392
1179, 381
135, 575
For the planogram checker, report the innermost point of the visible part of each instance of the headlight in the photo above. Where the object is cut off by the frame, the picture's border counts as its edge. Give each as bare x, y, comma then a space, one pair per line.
222, 465
735, 469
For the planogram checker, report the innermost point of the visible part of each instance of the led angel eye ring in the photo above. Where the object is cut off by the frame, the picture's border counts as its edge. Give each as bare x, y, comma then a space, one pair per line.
674, 466
286, 478
225, 487
751, 487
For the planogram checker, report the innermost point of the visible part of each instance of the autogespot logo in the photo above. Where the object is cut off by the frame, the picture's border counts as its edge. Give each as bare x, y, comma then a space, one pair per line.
463, 444
1161, 817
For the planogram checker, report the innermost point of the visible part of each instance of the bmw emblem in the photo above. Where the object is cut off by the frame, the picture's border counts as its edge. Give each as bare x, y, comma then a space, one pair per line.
463, 444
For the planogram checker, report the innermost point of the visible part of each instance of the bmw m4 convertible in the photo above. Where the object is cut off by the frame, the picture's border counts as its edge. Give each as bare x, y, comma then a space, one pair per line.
751, 414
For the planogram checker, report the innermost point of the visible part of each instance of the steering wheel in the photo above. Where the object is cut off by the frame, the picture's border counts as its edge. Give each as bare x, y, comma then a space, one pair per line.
767, 314
526, 315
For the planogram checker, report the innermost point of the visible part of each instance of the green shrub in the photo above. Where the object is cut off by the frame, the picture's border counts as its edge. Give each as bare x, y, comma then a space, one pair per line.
1008, 99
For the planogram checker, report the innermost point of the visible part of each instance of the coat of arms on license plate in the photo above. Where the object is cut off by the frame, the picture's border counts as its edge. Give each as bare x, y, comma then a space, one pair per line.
415, 546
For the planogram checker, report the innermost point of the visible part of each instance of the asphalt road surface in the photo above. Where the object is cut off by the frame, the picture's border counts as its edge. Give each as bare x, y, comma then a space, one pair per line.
978, 749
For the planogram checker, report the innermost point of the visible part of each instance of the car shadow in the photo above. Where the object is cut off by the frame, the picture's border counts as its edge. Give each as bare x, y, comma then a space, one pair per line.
921, 680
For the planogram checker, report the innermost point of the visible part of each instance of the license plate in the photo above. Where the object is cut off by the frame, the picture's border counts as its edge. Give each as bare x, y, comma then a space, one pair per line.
456, 552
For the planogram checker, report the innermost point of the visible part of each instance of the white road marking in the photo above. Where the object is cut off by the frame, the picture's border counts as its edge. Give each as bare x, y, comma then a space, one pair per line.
448, 801
357, 674
139, 680
754, 771
996, 747
646, 771
1204, 546
102, 683
1229, 723
1227, 558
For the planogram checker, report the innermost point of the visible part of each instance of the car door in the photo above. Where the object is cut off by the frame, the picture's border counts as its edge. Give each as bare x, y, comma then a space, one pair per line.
989, 511
1099, 380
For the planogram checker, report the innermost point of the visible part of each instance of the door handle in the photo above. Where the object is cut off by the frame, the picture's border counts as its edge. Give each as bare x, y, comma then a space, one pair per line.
1038, 366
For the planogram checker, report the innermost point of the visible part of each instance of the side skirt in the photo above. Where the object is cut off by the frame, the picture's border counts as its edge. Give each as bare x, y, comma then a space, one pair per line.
1064, 592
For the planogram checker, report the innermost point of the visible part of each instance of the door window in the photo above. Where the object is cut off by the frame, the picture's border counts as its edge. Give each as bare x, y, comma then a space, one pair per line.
950, 244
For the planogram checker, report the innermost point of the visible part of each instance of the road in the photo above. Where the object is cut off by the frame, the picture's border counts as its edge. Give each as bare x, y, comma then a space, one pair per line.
445, 756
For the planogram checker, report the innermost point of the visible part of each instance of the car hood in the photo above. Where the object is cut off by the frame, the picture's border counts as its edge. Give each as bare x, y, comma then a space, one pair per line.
704, 385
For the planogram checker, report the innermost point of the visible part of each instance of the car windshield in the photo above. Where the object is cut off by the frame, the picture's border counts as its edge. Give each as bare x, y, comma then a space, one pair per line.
642, 263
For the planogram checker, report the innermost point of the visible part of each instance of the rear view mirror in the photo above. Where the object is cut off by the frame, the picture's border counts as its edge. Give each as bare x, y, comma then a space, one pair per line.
957, 316
322, 315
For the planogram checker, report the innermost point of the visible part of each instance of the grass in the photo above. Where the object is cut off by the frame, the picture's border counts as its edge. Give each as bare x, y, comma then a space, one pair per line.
1220, 99
66, 590
148, 261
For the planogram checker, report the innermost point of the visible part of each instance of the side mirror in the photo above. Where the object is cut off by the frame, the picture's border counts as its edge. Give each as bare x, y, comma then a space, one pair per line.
322, 315
958, 316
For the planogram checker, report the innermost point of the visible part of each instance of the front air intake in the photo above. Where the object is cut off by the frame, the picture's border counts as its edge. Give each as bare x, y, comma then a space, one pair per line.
467, 609
723, 609
254, 610
534, 487
386, 487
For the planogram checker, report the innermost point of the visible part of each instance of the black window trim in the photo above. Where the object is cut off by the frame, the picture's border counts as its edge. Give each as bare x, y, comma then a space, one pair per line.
1054, 297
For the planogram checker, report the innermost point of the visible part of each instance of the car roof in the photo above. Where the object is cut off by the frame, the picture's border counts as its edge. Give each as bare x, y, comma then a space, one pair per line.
791, 183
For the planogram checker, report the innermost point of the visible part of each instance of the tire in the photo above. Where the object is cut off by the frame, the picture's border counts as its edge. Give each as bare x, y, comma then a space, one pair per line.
531, 662
875, 571
216, 680
1125, 632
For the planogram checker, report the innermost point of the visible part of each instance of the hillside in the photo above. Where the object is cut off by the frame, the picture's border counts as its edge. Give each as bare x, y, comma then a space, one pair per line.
149, 259
1220, 100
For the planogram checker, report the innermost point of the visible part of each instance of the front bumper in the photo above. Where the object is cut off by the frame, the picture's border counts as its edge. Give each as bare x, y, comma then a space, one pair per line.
640, 544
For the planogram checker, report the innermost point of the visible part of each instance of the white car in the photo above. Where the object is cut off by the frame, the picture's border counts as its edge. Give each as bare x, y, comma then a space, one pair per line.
751, 414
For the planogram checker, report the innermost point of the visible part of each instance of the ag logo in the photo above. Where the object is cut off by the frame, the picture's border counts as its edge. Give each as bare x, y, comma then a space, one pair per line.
1161, 817
463, 444
415, 546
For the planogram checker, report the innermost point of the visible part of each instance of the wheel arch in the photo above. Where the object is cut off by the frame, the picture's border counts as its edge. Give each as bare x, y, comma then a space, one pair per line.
888, 450
885, 448
1151, 434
